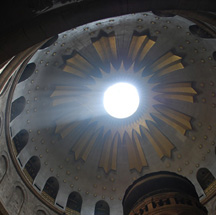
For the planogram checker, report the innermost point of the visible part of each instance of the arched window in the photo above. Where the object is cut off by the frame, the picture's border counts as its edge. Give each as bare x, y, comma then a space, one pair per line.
197, 31
49, 42
32, 167
50, 190
17, 107
162, 13
28, 71
74, 202
205, 178
20, 140
102, 208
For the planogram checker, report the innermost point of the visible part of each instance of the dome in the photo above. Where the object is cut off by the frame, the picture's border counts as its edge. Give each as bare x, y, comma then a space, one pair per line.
70, 153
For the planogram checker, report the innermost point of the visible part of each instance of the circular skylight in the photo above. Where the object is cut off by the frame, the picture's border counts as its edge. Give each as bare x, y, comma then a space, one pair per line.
121, 100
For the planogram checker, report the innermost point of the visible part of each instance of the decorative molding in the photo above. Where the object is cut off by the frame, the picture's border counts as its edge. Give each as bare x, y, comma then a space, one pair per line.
210, 193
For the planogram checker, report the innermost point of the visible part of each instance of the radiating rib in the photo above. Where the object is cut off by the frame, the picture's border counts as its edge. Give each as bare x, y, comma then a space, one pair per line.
135, 46
164, 61
185, 98
177, 120
136, 155
159, 141
109, 153
181, 88
82, 143
106, 48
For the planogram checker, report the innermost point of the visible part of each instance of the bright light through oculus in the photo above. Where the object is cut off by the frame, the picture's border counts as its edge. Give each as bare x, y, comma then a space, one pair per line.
121, 100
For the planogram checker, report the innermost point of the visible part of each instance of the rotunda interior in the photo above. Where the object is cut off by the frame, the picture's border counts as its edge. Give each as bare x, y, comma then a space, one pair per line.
62, 153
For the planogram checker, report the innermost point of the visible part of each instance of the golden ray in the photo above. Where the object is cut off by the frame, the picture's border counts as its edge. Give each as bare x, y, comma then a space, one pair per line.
136, 156
106, 48
82, 142
91, 143
135, 46
109, 152
62, 123
139, 47
185, 98
66, 100
139, 150
165, 60
78, 65
114, 152
170, 69
149, 44
176, 91
166, 64
68, 129
74, 71
183, 88
159, 141
177, 120
68, 91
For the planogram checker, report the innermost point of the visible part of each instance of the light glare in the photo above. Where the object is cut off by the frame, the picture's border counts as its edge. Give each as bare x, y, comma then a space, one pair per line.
121, 100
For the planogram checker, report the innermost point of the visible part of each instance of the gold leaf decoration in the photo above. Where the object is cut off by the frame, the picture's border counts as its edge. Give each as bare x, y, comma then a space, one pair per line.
87, 119
160, 142
109, 153
139, 47
82, 144
79, 66
166, 64
177, 120
136, 155
106, 48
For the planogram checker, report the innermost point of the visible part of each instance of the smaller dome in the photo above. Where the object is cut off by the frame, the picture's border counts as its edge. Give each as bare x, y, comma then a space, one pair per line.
158, 183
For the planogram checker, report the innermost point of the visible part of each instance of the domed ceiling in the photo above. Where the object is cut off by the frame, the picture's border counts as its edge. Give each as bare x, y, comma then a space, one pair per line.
60, 129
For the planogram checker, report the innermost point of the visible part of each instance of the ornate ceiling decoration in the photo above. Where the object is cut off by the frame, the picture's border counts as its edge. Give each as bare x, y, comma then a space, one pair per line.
84, 129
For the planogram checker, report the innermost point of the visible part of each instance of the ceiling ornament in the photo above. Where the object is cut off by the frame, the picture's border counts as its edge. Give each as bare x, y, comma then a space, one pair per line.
84, 121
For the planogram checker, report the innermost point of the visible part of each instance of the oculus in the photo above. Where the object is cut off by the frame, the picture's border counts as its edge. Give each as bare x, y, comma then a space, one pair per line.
121, 100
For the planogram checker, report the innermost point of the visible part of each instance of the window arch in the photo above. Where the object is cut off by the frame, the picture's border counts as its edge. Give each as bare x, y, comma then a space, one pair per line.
28, 71
74, 202
20, 140
163, 13
102, 208
205, 178
50, 189
197, 31
32, 167
17, 107
49, 42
